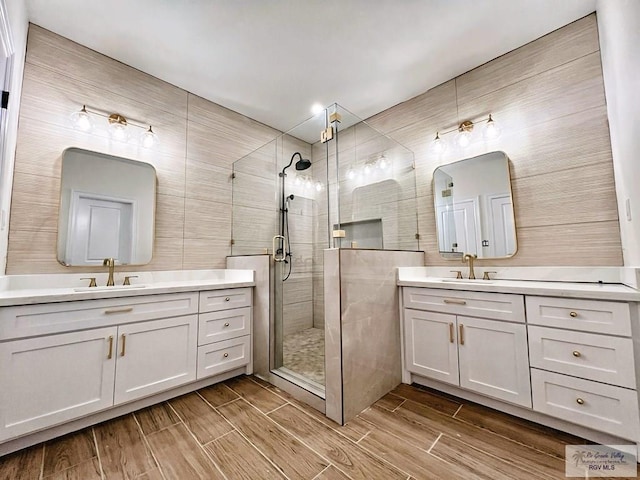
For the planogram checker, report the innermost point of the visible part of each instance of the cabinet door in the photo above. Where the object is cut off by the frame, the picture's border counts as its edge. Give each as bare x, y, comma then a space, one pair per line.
155, 356
52, 379
430, 345
494, 359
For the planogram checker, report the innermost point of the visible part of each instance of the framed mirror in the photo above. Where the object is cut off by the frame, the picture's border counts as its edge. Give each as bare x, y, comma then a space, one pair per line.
474, 207
107, 209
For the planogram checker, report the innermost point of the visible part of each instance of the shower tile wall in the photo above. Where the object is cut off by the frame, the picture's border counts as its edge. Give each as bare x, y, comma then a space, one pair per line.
199, 141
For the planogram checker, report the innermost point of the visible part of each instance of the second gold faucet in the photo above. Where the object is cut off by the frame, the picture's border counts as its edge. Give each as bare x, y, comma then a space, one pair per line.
109, 262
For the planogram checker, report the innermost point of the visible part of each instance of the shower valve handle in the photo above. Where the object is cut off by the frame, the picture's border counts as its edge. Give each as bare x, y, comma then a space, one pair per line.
278, 253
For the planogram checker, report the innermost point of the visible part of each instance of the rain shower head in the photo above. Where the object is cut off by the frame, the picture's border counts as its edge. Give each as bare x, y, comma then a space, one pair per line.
301, 164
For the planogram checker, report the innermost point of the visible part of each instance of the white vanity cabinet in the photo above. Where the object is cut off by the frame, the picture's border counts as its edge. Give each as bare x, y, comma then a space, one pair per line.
52, 379
224, 339
582, 363
474, 340
56, 365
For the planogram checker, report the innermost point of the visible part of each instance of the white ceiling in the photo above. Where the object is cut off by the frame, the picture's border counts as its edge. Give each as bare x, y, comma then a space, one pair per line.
272, 59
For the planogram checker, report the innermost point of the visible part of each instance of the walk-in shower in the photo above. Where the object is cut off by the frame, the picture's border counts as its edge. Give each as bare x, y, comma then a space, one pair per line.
331, 182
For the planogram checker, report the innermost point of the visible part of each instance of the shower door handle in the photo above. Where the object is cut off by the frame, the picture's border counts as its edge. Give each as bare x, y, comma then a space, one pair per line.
277, 258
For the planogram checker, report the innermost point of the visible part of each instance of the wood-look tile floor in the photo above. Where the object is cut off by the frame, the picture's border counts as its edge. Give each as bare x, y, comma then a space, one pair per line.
245, 428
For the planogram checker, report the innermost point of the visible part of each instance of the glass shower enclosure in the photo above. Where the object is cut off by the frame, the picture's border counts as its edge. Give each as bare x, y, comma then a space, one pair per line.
331, 182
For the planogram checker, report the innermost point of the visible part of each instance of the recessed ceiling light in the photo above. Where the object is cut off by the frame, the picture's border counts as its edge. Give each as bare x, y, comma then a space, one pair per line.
316, 108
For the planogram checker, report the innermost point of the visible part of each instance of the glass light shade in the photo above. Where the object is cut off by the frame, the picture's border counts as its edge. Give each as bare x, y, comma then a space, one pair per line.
464, 138
81, 120
148, 138
318, 186
438, 145
308, 183
368, 168
351, 174
491, 129
118, 131
384, 163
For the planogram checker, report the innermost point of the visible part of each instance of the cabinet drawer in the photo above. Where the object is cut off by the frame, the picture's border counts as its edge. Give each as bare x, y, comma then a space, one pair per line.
497, 306
225, 324
596, 357
595, 405
214, 300
596, 316
222, 356
42, 319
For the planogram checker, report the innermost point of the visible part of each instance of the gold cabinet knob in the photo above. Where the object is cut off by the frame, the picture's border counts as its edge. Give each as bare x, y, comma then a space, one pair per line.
227, 324
573, 314
225, 355
579, 401
576, 353
227, 299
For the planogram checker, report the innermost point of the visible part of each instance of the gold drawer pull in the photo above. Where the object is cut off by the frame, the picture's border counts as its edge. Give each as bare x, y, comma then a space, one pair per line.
110, 340
226, 324
573, 314
225, 355
118, 310
461, 328
124, 345
579, 401
455, 302
451, 332
227, 299
576, 353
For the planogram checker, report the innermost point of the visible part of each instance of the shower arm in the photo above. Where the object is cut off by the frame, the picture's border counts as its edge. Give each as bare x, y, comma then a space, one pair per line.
282, 196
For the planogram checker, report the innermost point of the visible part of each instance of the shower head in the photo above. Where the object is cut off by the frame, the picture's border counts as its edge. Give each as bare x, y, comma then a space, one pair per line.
301, 164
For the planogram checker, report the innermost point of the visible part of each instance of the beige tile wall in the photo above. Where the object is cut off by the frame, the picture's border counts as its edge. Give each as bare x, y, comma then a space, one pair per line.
547, 95
549, 99
199, 141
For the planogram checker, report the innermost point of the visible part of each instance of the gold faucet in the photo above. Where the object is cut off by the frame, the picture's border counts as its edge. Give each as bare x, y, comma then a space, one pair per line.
470, 257
109, 262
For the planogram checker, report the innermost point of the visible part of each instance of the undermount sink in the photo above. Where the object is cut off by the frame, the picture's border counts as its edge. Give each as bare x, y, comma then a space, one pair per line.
465, 280
103, 288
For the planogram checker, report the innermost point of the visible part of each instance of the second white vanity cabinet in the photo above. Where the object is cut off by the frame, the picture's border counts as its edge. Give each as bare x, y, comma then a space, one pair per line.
474, 340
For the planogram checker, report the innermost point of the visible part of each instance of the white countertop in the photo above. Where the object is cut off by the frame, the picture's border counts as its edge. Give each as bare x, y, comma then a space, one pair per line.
420, 277
34, 289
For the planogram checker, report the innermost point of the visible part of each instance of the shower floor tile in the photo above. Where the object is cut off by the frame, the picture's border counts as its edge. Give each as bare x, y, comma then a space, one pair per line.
303, 353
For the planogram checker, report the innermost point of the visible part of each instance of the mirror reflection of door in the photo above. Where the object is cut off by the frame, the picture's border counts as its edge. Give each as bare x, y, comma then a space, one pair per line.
457, 227
101, 228
501, 241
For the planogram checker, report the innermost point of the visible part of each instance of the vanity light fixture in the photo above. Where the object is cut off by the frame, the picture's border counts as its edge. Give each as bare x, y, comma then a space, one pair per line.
465, 134
117, 126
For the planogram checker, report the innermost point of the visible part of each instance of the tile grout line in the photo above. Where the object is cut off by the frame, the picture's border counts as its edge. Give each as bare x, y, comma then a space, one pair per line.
146, 442
278, 469
364, 436
44, 452
95, 442
384, 461
197, 392
434, 443
220, 437
200, 446
404, 400
320, 473
457, 411
277, 408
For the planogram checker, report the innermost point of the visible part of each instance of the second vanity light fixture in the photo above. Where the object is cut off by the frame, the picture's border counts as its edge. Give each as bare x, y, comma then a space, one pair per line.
118, 126
465, 132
